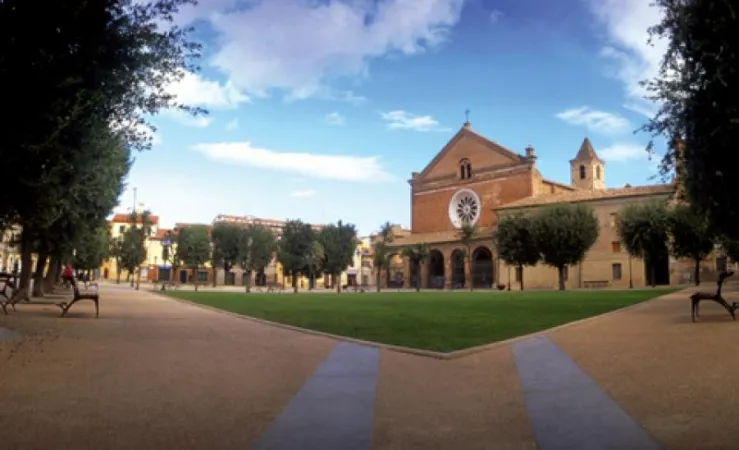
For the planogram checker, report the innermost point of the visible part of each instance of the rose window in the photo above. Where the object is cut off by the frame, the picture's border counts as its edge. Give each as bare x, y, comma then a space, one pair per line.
464, 207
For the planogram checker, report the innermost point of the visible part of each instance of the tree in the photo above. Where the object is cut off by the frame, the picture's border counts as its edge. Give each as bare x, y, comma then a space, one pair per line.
417, 254
294, 246
92, 251
171, 254
93, 64
690, 236
194, 250
697, 89
257, 246
515, 239
466, 234
381, 257
564, 234
339, 243
315, 260
643, 229
225, 238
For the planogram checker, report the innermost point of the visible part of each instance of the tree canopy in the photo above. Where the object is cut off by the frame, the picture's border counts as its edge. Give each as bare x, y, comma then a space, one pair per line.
257, 246
225, 237
417, 254
564, 234
515, 240
643, 229
193, 247
690, 236
339, 242
295, 246
697, 89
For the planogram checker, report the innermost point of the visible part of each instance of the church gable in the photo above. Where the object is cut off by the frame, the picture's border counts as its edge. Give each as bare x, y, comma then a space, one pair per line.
468, 153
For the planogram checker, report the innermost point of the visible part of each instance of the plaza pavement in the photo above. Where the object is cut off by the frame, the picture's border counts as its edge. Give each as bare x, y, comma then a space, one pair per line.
155, 373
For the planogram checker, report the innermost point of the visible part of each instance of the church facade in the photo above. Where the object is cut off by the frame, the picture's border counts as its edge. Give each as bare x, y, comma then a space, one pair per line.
477, 180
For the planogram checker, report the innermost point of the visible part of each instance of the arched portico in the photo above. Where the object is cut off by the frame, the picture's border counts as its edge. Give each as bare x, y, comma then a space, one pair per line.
394, 275
457, 264
483, 269
436, 270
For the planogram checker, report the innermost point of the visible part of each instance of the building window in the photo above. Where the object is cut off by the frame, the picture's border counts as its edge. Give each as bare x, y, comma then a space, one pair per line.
465, 169
616, 247
597, 172
202, 276
519, 273
582, 172
616, 271
122, 229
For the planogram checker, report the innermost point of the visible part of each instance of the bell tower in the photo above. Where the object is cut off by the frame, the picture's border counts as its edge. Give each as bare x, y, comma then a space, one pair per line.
587, 170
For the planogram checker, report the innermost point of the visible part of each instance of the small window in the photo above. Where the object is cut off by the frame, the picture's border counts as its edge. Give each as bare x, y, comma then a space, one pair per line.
616, 271
465, 169
122, 229
519, 272
461, 171
614, 220
597, 172
616, 247
468, 166
202, 276
582, 172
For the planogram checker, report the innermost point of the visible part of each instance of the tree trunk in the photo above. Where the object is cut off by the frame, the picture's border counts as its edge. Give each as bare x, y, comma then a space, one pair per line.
52, 274
561, 271
130, 276
377, 281
24, 281
294, 276
337, 277
195, 278
520, 272
652, 273
38, 275
215, 283
247, 283
697, 271
138, 278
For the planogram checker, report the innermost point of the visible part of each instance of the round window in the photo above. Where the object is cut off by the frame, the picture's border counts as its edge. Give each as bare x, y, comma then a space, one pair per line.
464, 207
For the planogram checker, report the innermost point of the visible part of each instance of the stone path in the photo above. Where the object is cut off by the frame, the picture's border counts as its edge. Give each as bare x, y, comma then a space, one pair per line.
156, 373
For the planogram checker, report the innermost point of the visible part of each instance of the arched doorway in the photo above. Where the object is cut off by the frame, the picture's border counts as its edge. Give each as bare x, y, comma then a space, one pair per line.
395, 271
482, 268
458, 277
436, 270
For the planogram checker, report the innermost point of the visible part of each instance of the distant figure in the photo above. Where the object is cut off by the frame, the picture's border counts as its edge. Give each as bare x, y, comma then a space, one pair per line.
67, 275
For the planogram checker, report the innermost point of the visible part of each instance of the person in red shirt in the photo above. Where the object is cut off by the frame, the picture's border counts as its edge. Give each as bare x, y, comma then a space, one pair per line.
67, 275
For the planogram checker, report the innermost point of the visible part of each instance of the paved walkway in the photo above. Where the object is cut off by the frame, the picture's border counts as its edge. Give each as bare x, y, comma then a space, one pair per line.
154, 373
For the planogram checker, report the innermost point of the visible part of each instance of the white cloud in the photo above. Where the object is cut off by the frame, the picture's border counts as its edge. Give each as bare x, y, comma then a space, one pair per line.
495, 16
335, 118
594, 120
303, 194
299, 46
194, 90
624, 153
334, 167
232, 125
402, 120
626, 23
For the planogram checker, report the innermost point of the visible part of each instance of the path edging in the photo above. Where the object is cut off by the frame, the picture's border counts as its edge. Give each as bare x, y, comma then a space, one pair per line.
413, 351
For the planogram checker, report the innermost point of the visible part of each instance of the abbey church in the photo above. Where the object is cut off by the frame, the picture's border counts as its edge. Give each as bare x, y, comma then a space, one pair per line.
477, 180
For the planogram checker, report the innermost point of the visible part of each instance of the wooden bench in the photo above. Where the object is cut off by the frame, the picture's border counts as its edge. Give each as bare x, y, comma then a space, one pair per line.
94, 296
596, 284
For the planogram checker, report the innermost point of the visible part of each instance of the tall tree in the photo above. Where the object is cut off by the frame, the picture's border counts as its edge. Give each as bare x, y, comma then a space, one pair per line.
381, 251
194, 249
295, 245
690, 236
315, 260
697, 89
225, 238
257, 246
418, 255
339, 243
643, 229
91, 251
564, 234
466, 234
171, 254
515, 240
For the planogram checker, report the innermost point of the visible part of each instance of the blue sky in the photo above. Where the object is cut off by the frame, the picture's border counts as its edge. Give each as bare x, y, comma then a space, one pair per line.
321, 109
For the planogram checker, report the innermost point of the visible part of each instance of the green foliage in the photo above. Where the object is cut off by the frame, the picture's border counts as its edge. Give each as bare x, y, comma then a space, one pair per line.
339, 243
381, 251
515, 239
226, 247
257, 246
564, 234
295, 247
193, 246
133, 243
697, 89
643, 229
90, 253
417, 254
690, 236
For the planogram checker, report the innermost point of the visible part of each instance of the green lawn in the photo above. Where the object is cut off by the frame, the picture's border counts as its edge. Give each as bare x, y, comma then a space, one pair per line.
439, 321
